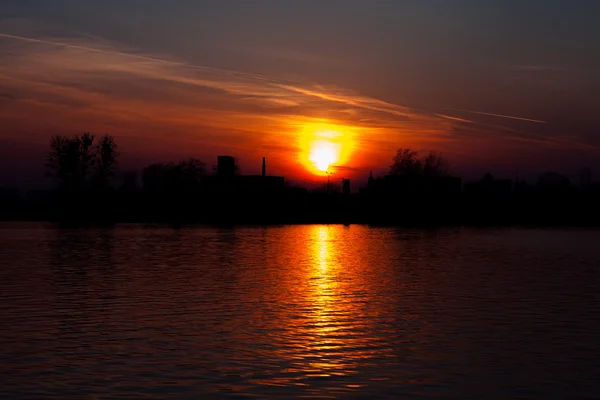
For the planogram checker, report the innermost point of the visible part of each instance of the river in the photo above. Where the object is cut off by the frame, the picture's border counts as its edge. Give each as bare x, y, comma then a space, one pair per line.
320, 311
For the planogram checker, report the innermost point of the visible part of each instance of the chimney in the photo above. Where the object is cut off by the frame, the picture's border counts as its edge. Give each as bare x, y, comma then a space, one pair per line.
264, 168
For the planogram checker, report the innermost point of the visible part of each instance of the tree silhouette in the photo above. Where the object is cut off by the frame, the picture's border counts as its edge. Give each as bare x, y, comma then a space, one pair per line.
153, 177
435, 164
407, 163
59, 160
76, 163
192, 172
185, 176
70, 160
106, 161
585, 176
553, 180
87, 156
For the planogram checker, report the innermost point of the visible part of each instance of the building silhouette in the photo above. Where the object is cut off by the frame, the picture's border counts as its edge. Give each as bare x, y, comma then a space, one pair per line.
225, 167
409, 186
250, 198
489, 186
346, 186
184, 192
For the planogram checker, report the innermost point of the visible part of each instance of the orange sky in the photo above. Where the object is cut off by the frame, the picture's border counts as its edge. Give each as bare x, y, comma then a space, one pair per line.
161, 108
170, 109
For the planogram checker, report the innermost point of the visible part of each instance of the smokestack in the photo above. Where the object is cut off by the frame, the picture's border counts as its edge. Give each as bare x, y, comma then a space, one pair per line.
264, 169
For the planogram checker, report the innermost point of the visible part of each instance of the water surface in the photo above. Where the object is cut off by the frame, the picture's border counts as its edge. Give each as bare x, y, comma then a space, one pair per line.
299, 311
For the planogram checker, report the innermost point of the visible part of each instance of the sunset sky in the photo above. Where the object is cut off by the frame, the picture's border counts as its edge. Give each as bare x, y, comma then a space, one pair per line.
509, 87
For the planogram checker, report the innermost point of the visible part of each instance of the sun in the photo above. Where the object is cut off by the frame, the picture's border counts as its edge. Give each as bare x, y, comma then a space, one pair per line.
324, 147
324, 154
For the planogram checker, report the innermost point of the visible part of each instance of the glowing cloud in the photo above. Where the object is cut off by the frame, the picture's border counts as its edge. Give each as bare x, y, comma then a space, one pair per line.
324, 147
150, 100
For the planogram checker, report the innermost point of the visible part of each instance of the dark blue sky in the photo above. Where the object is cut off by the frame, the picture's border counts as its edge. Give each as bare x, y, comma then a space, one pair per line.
537, 60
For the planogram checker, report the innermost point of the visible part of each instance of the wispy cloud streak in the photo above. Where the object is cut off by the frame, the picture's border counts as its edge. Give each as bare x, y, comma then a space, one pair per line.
88, 81
131, 55
498, 115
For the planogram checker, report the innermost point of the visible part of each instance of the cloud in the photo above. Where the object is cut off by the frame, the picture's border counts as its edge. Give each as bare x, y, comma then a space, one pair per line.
88, 60
84, 82
111, 51
342, 168
466, 121
90, 69
497, 115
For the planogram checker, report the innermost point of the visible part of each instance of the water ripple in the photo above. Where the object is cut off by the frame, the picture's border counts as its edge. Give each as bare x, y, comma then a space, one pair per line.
300, 311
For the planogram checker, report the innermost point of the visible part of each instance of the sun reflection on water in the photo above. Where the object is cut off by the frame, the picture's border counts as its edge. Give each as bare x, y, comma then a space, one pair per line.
324, 331
332, 344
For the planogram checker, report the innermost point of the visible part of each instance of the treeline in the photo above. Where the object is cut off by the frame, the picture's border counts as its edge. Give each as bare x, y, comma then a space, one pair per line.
418, 189
184, 177
89, 187
79, 163
408, 162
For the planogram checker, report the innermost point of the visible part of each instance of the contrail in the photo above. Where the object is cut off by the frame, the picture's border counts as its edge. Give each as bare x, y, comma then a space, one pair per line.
455, 118
137, 56
498, 115
360, 102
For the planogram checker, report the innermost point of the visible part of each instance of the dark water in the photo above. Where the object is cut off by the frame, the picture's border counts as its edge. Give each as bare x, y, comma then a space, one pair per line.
303, 311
